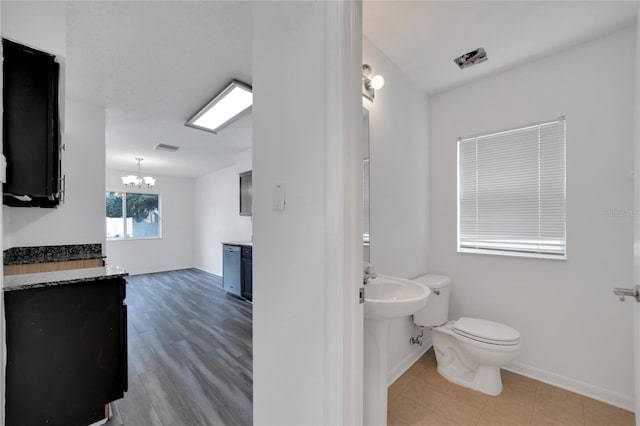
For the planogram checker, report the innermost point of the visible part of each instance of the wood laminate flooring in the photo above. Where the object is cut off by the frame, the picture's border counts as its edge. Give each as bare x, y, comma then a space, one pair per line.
190, 353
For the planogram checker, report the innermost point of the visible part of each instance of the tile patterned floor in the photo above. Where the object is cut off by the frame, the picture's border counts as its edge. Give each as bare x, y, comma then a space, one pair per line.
423, 397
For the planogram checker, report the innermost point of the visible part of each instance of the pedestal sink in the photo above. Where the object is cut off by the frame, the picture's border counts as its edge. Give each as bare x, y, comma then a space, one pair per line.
386, 298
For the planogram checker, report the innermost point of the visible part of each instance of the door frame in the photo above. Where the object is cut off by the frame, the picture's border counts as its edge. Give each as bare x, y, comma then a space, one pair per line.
636, 222
343, 179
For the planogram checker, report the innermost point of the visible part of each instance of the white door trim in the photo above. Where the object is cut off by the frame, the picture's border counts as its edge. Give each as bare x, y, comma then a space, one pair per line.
343, 215
636, 222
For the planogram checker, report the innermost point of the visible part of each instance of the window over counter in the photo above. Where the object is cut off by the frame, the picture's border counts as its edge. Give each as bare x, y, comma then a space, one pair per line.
131, 215
512, 192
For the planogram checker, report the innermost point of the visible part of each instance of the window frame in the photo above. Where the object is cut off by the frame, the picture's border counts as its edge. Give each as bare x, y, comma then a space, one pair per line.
505, 251
124, 217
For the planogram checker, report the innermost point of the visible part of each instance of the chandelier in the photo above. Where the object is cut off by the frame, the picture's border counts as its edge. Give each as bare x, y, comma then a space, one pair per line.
130, 181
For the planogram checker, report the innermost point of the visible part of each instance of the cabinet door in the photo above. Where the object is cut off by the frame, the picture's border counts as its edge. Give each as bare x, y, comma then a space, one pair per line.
247, 278
31, 124
65, 358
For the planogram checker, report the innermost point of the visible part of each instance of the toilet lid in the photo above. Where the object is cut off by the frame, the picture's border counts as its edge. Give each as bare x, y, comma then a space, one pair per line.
487, 331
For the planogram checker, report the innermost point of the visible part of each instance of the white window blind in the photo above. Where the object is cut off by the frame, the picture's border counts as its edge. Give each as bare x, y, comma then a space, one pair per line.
511, 192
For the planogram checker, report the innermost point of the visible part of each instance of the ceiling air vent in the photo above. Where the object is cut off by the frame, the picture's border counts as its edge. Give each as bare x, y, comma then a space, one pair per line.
165, 147
474, 57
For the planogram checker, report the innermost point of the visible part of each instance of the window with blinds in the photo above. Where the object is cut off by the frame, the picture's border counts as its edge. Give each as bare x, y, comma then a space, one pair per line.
511, 192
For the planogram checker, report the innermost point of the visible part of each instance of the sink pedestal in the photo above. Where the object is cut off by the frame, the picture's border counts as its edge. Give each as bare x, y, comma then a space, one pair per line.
376, 335
386, 298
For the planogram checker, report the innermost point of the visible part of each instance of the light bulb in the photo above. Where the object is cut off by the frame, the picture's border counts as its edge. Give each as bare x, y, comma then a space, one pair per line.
366, 70
149, 181
377, 82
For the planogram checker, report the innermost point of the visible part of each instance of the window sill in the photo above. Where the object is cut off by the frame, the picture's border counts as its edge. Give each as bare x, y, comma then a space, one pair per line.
133, 239
513, 254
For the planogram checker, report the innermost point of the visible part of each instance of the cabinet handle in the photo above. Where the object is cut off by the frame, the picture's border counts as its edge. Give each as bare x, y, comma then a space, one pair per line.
63, 184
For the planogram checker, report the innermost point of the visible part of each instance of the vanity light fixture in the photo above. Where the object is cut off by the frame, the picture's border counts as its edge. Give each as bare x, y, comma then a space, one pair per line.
130, 181
222, 110
370, 82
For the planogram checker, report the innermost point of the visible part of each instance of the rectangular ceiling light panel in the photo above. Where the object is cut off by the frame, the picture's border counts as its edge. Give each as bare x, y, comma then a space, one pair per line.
223, 109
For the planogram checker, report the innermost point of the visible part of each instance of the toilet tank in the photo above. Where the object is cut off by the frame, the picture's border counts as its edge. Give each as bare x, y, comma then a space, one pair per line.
436, 312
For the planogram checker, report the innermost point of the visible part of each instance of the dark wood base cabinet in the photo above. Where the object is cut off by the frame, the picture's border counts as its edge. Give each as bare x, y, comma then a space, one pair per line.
66, 352
247, 272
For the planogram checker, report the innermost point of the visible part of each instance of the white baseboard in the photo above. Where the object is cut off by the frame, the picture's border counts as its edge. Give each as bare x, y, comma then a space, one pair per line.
398, 370
625, 402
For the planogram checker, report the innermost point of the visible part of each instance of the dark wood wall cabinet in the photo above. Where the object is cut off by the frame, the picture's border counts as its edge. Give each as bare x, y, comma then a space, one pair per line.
31, 127
66, 352
237, 269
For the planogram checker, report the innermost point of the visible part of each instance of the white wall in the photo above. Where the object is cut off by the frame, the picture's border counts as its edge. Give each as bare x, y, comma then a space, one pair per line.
41, 25
398, 144
81, 218
288, 265
307, 258
575, 333
399, 191
175, 249
217, 217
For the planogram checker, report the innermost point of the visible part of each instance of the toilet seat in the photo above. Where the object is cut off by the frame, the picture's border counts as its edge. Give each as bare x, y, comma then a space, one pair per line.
486, 332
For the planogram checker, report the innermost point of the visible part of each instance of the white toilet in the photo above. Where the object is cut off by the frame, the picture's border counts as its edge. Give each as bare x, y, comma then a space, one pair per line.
469, 351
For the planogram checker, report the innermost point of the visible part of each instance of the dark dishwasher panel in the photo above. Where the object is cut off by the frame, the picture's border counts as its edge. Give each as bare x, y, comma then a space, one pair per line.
231, 267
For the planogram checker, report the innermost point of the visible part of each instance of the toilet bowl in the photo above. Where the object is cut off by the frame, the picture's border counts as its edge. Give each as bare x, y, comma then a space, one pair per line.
469, 351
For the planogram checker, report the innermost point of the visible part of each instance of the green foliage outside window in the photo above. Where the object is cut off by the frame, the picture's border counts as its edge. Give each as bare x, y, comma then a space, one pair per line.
141, 218
139, 206
114, 204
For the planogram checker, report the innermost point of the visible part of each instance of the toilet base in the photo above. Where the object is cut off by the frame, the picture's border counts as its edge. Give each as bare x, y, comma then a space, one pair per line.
485, 379
488, 380
470, 364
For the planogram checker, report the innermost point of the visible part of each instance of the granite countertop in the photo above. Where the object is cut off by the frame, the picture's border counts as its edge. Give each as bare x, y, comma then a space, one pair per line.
55, 278
238, 243
47, 254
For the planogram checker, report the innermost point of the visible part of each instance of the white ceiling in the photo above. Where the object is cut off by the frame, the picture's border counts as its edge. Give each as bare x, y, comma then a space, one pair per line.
423, 37
153, 65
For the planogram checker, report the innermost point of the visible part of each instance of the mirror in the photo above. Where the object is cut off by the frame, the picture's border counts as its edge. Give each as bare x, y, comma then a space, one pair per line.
365, 184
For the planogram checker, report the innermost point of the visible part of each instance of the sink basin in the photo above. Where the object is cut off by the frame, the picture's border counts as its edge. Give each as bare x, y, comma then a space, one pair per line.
392, 297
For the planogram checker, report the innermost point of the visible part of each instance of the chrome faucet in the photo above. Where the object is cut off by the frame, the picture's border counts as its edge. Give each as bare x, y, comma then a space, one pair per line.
368, 273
